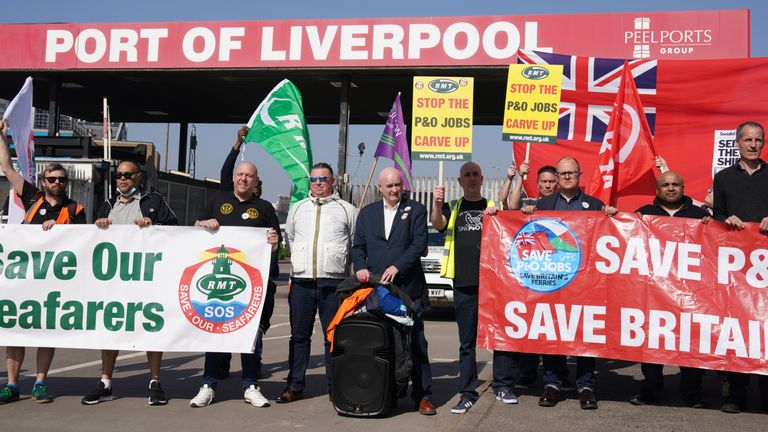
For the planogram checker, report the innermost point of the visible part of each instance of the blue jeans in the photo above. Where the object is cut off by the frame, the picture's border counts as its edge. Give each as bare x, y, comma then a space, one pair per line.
308, 297
217, 366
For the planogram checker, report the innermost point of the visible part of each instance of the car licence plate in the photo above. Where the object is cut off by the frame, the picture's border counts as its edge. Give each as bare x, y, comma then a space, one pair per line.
433, 292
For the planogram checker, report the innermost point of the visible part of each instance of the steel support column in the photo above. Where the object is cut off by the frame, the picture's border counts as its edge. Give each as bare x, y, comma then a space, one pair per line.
53, 108
344, 105
183, 131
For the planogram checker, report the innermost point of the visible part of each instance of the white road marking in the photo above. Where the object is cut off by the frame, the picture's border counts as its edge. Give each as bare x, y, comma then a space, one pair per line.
88, 364
130, 356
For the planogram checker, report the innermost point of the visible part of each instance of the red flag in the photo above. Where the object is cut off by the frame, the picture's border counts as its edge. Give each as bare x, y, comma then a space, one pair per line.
626, 156
692, 108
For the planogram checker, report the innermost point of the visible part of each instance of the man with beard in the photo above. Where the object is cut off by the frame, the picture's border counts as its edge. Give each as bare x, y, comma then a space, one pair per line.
319, 230
671, 201
131, 205
239, 207
46, 207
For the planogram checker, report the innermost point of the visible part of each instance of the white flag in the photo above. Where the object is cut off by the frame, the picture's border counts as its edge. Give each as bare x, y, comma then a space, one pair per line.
19, 117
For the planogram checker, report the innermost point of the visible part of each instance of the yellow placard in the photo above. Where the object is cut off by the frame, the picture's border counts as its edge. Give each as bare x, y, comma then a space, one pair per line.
532, 105
441, 127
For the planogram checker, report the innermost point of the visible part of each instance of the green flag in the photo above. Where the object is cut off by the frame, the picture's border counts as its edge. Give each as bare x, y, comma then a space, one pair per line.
278, 126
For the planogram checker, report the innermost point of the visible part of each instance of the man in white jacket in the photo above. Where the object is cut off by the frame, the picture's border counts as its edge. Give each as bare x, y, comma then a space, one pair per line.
319, 231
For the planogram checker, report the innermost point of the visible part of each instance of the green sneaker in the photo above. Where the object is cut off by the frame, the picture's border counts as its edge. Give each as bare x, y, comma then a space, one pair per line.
40, 394
8, 394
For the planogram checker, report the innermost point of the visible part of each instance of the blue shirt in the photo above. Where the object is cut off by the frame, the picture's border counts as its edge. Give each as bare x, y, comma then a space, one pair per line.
576, 203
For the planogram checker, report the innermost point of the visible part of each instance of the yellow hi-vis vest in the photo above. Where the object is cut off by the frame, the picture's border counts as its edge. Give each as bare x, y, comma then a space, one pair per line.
447, 267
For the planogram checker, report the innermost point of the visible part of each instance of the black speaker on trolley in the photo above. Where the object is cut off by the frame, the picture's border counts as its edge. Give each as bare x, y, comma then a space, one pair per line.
363, 367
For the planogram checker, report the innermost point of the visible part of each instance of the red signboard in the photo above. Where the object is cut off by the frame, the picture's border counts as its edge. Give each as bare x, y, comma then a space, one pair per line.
372, 42
652, 289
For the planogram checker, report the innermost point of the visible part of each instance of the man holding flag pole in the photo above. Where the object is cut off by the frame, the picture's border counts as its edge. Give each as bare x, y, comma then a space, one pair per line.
278, 126
46, 207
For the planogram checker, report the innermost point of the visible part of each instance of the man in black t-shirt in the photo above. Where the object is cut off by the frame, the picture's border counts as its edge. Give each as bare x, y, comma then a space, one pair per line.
463, 220
46, 207
240, 208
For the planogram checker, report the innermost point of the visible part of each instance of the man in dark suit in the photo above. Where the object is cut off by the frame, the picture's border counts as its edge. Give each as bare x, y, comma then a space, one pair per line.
390, 236
570, 197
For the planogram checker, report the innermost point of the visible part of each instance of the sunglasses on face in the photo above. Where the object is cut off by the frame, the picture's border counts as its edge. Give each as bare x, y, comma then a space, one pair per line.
125, 175
54, 179
321, 179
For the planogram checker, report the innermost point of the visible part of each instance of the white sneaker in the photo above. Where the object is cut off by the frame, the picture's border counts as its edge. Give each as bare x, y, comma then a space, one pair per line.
254, 397
204, 397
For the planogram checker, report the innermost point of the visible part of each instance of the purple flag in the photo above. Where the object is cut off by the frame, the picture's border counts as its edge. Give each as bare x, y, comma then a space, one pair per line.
393, 144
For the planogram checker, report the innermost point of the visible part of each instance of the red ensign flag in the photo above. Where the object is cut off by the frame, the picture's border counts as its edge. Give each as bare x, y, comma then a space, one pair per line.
626, 156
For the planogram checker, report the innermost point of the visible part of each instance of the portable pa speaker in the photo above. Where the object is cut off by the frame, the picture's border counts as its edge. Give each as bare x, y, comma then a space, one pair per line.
363, 367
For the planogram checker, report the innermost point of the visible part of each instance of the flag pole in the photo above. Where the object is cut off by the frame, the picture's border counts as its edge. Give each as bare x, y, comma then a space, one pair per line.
440, 173
104, 135
370, 176
527, 157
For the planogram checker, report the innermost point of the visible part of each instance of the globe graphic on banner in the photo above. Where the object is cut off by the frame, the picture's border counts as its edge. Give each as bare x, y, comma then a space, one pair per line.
545, 255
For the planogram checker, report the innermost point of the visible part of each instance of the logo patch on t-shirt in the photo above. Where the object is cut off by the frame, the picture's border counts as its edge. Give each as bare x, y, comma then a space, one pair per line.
252, 213
226, 208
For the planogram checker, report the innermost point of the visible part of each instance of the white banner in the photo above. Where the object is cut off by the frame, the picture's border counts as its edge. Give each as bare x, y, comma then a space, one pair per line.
157, 288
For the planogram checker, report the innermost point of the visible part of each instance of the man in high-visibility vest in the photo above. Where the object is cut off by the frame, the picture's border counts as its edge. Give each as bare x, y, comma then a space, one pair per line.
46, 207
463, 220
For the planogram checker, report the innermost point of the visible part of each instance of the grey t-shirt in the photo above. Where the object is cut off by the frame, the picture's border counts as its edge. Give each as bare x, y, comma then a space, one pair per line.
125, 213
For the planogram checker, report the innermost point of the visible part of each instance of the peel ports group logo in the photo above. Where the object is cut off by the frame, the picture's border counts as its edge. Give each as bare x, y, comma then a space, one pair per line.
545, 255
221, 293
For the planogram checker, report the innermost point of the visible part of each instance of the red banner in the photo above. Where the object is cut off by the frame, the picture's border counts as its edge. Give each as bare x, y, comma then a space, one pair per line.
372, 42
652, 289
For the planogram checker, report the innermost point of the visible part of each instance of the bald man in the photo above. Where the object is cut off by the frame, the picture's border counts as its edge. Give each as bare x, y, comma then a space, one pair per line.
671, 201
390, 236
462, 220
240, 207
131, 205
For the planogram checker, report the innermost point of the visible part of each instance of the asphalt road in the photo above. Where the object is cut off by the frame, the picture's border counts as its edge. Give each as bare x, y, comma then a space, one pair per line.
75, 372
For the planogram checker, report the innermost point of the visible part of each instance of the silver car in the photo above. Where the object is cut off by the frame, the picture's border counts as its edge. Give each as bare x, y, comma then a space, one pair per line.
440, 289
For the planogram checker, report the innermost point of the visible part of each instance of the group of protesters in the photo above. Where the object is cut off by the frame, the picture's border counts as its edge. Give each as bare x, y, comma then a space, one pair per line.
738, 195
384, 242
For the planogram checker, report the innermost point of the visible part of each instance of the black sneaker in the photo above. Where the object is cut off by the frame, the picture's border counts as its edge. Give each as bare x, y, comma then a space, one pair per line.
99, 394
156, 394
463, 406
